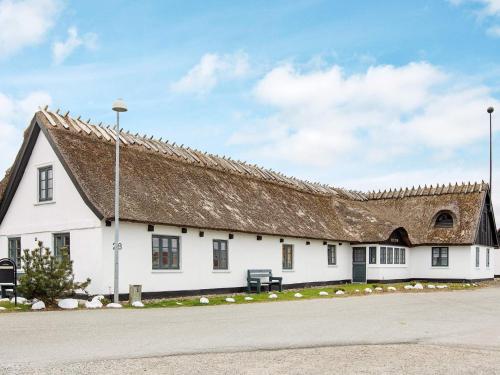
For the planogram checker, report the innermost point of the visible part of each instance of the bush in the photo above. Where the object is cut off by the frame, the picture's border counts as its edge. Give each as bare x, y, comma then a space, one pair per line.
47, 277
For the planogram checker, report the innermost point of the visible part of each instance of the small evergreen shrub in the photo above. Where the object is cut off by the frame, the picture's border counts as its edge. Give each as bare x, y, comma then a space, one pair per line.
47, 277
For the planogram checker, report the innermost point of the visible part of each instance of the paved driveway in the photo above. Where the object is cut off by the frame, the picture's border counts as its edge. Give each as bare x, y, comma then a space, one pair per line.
467, 320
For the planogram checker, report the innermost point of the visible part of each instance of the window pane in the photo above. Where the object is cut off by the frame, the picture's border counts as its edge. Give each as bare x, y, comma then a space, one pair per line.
383, 251
223, 245
403, 256
156, 242
389, 255
156, 258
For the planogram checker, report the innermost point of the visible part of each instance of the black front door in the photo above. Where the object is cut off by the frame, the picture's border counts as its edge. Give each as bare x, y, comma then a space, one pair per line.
359, 264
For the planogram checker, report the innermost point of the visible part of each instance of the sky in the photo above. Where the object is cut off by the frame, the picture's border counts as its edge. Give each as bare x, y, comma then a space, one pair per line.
363, 95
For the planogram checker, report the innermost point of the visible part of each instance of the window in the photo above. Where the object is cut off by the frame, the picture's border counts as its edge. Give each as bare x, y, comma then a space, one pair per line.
396, 255
332, 255
440, 257
389, 255
444, 220
220, 255
478, 252
402, 257
45, 184
166, 252
61, 244
488, 258
373, 255
287, 257
15, 250
383, 252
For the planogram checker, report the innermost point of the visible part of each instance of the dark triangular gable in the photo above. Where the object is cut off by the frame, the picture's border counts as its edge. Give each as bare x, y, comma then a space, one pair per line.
486, 234
21, 162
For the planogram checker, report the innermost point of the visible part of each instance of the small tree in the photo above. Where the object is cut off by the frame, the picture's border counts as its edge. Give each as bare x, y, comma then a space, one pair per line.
47, 277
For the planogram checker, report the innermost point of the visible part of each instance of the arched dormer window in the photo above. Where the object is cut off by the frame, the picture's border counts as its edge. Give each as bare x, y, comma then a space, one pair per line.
444, 219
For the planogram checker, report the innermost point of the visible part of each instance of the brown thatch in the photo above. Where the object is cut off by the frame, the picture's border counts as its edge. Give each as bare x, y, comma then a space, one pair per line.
167, 184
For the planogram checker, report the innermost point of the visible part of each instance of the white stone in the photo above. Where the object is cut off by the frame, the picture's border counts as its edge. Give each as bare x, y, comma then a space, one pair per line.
379, 289
441, 286
2, 308
204, 300
248, 298
408, 287
38, 306
179, 303
418, 286
323, 293
297, 295
467, 285
94, 304
230, 300
474, 284
339, 292
356, 291
68, 303
273, 296
368, 290
431, 286
4, 299
391, 289
113, 305
20, 300
98, 298
137, 304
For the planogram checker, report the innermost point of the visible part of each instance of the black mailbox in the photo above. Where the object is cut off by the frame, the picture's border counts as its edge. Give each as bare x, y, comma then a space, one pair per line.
8, 275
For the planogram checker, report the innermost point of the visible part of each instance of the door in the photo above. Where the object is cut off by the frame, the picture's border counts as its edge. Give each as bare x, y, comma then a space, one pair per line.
359, 264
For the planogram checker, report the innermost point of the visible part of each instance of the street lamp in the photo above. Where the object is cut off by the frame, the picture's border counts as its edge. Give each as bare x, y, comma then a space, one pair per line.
118, 106
490, 111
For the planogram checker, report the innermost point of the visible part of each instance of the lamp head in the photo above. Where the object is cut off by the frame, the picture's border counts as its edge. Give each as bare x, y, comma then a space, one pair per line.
490, 110
119, 106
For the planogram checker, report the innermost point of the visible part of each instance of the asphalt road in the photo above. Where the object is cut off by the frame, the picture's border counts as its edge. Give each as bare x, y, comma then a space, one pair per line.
465, 324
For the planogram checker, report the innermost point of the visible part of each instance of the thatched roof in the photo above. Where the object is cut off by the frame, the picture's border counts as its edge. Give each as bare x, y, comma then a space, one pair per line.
167, 184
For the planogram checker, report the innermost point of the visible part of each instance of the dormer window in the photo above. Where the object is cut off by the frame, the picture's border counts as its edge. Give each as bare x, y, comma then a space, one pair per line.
444, 220
45, 184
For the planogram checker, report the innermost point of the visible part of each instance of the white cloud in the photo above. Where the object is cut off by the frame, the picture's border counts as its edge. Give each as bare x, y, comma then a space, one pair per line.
211, 69
15, 114
25, 23
62, 50
487, 9
322, 117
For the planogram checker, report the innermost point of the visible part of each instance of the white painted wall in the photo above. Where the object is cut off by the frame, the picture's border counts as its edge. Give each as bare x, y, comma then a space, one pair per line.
245, 252
30, 220
481, 272
380, 271
496, 258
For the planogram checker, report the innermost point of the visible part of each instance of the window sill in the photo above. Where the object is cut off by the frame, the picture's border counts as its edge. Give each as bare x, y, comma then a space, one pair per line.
288, 270
440, 267
221, 271
333, 266
44, 203
166, 271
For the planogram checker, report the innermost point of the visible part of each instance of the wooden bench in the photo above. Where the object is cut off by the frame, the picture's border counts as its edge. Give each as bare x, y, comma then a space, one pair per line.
258, 278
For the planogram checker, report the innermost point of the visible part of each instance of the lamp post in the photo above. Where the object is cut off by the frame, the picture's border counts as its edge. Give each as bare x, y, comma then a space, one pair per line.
118, 106
490, 111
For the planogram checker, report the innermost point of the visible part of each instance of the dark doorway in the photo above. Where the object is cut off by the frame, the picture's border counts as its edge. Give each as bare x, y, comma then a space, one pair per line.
359, 264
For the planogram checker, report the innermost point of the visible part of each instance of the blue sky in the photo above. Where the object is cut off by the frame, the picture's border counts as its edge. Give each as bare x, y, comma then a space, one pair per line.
363, 94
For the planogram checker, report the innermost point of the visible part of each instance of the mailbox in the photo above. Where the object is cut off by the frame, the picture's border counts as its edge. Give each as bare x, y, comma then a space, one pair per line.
8, 276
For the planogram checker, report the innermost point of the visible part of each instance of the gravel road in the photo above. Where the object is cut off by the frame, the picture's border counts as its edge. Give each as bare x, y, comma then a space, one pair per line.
422, 333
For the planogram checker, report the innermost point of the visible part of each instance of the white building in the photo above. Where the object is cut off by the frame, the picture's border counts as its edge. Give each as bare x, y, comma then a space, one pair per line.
195, 222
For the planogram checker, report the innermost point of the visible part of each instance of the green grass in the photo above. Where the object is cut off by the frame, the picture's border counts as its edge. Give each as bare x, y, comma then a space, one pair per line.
288, 295
10, 307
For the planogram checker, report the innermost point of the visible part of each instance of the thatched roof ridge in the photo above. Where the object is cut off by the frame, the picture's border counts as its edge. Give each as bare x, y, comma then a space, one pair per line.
463, 188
